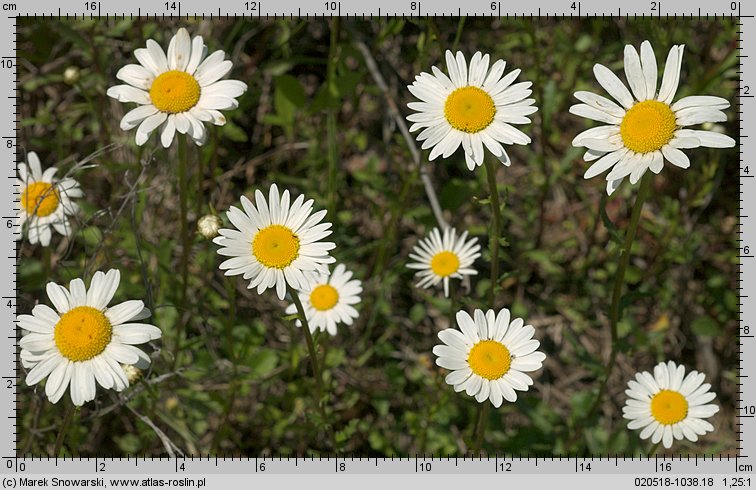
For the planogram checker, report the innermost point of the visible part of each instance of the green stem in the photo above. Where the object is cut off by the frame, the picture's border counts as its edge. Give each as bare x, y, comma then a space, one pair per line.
184, 260
619, 282
64, 430
315, 365
333, 151
458, 36
183, 198
495, 227
652, 451
480, 428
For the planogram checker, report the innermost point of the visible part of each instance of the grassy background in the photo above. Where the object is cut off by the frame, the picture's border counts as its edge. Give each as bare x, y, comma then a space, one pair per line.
231, 374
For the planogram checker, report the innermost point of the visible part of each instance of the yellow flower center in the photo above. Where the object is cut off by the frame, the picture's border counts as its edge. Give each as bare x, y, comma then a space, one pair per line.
174, 91
275, 246
82, 333
669, 407
40, 198
469, 109
444, 263
648, 126
489, 359
324, 297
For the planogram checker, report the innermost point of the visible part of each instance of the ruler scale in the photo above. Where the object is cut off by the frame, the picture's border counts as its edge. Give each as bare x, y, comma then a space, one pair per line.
594, 472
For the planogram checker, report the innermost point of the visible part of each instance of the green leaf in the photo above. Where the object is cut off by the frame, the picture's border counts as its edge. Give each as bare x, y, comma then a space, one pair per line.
705, 326
290, 88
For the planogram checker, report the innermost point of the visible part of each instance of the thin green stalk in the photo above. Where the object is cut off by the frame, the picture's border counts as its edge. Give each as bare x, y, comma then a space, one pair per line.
333, 150
652, 451
495, 228
315, 364
184, 260
619, 282
64, 429
333, 160
480, 428
183, 198
458, 36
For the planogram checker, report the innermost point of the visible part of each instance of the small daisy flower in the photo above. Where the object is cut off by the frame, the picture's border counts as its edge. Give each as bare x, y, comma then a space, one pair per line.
329, 300
669, 405
647, 127
489, 355
473, 108
45, 201
179, 91
441, 258
83, 342
276, 242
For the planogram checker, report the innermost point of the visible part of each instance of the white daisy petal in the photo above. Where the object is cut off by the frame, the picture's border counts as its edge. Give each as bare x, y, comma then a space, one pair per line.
445, 119
438, 258
650, 71
489, 355
634, 73
646, 126
664, 405
671, 77
88, 339
179, 90
613, 85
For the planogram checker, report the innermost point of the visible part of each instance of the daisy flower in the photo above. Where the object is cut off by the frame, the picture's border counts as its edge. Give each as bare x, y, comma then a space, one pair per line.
489, 355
647, 127
45, 201
179, 91
276, 242
328, 301
439, 258
473, 108
669, 405
83, 342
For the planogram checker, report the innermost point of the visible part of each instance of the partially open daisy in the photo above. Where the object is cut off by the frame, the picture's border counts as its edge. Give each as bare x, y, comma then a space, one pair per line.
276, 242
439, 258
646, 127
84, 341
45, 201
489, 355
669, 405
329, 300
473, 108
180, 90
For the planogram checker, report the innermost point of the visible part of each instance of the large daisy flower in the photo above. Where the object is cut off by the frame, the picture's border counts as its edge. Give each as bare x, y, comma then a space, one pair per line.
45, 201
83, 342
647, 127
473, 108
180, 90
489, 355
669, 405
439, 258
276, 242
329, 300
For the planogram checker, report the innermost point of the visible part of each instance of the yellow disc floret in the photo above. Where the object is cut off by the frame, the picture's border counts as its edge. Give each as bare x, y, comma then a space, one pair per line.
489, 359
82, 333
324, 297
669, 407
445, 263
174, 91
648, 126
469, 109
275, 246
40, 199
